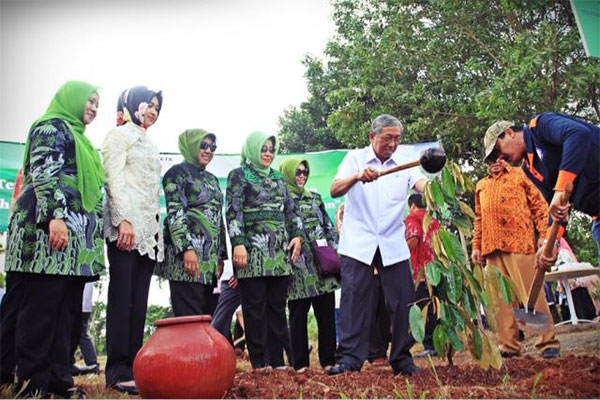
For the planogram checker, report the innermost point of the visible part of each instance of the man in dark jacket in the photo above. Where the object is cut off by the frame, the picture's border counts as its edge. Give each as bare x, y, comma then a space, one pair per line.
556, 149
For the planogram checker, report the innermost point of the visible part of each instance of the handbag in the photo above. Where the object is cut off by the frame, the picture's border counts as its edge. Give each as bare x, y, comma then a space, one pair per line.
325, 258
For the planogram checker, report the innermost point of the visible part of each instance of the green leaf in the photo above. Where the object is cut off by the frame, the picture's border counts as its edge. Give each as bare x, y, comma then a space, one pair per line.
466, 209
426, 222
495, 357
454, 284
477, 344
453, 338
439, 340
469, 304
447, 316
504, 286
457, 318
417, 323
458, 249
461, 222
446, 239
436, 193
448, 185
433, 273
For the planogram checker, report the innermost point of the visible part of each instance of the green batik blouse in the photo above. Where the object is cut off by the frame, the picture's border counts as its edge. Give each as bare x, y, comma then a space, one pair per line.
262, 216
50, 192
194, 221
306, 281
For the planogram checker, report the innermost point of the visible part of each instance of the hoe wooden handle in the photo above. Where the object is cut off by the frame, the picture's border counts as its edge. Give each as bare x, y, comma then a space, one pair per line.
400, 167
538, 279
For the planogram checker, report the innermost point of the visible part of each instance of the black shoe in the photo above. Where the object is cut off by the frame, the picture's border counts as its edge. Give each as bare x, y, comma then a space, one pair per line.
75, 393
550, 353
508, 354
408, 370
340, 368
129, 389
76, 370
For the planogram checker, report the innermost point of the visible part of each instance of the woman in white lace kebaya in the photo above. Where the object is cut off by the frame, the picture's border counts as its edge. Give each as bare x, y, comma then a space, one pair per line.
132, 229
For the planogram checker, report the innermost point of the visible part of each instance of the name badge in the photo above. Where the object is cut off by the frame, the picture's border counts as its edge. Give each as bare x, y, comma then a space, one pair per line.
321, 242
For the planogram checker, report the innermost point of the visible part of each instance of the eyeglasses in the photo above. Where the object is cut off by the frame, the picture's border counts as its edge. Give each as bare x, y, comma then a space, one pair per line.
206, 145
300, 172
390, 138
266, 148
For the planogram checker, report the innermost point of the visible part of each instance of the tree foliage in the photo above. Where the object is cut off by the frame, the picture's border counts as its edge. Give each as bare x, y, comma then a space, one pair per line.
447, 68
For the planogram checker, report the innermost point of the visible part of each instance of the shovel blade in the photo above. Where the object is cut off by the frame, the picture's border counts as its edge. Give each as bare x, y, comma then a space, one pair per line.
530, 322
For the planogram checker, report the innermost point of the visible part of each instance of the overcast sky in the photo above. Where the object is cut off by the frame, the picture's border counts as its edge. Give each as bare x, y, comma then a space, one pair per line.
229, 66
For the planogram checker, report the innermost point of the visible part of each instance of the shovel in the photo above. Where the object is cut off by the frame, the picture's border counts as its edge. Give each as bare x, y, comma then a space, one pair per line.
527, 318
432, 160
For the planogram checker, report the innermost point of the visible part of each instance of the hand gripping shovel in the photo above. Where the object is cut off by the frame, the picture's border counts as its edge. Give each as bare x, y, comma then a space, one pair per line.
527, 318
432, 160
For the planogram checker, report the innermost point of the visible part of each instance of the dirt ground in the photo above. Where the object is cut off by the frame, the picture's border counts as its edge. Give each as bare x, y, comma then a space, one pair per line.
576, 374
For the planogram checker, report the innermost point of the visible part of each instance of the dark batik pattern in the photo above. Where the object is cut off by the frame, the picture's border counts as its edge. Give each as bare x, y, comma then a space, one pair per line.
262, 216
49, 192
194, 221
306, 281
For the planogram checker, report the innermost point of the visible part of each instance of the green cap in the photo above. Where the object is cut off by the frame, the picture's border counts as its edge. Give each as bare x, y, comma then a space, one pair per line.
492, 134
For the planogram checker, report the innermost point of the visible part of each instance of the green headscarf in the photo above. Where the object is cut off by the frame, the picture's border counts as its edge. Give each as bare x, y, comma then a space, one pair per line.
288, 169
68, 104
189, 144
251, 151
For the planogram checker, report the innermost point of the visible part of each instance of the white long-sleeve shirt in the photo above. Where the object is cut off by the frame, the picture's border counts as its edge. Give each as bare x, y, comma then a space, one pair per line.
132, 167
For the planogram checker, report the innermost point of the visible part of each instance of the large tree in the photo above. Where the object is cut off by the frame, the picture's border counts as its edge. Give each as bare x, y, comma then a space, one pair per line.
447, 68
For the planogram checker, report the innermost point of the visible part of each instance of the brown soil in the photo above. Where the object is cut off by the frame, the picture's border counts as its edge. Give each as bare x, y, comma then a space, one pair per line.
576, 374
571, 376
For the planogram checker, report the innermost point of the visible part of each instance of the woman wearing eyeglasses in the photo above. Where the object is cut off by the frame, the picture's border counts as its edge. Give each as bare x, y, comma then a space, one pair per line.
307, 286
194, 232
263, 225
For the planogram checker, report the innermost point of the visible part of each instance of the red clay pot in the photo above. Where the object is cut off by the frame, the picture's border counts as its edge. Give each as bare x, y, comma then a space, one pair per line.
185, 358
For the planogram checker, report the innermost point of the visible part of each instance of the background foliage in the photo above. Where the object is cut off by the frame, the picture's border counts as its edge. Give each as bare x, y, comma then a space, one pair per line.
447, 69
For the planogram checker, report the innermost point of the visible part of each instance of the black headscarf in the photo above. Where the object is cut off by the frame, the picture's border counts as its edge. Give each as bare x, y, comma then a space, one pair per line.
133, 102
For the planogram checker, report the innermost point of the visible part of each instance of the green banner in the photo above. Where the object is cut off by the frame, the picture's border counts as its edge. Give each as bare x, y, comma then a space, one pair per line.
323, 167
587, 15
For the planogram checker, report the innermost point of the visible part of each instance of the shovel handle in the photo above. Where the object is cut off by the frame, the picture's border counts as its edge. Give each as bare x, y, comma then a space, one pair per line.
400, 167
538, 279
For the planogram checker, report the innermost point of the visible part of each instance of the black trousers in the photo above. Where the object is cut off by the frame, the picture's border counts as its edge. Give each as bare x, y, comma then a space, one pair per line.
130, 275
190, 298
263, 304
9, 313
356, 310
43, 334
84, 341
381, 333
324, 308
229, 301
432, 322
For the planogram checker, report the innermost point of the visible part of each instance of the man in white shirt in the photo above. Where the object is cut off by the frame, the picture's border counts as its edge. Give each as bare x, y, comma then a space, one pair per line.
373, 239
